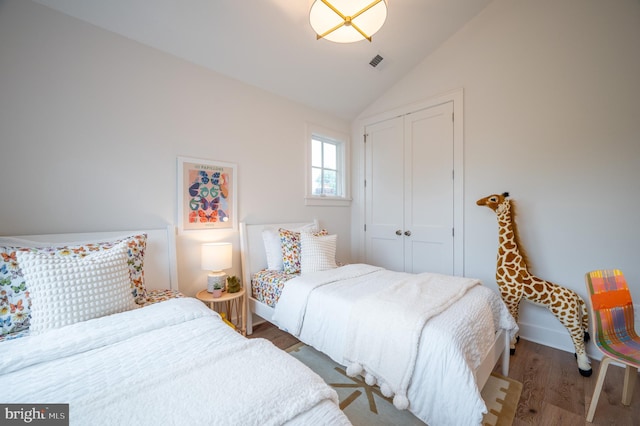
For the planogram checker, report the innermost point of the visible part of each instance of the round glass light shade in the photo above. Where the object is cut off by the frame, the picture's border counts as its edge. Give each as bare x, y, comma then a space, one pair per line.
323, 18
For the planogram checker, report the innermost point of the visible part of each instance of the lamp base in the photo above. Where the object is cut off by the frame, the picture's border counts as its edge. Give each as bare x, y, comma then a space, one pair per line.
216, 278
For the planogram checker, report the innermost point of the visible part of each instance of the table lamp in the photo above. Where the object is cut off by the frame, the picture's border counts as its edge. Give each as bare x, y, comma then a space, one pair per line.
215, 258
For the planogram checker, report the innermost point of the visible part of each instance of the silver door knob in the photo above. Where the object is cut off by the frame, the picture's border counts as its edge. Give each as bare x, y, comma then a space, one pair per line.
407, 233
399, 232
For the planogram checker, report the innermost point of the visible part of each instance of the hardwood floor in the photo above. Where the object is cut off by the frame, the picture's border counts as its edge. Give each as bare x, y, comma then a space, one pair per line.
270, 332
553, 393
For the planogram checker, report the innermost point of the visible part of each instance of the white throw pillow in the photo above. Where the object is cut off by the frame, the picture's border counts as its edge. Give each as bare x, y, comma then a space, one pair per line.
318, 252
66, 289
273, 245
271, 238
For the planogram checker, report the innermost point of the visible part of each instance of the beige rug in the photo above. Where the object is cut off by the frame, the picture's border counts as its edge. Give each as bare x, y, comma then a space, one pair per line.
365, 405
501, 394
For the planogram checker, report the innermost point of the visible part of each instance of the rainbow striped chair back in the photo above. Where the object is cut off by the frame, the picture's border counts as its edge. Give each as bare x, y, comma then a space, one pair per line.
613, 329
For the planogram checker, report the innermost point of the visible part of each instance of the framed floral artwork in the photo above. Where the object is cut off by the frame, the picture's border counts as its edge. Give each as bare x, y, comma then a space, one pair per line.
207, 195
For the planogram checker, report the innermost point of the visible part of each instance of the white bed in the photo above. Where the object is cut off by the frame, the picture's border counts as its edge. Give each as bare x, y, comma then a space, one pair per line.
172, 362
456, 354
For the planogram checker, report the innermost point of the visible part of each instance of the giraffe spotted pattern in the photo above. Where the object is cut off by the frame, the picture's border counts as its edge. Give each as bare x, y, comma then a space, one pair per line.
515, 283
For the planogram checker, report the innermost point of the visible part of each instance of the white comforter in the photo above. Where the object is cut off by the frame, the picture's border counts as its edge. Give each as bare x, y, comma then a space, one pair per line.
443, 391
174, 362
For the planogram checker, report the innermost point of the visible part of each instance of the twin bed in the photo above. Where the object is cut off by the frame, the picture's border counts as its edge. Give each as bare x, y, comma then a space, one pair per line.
429, 341
152, 357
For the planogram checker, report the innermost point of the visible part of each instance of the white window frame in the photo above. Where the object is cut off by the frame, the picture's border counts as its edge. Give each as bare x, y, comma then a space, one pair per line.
342, 144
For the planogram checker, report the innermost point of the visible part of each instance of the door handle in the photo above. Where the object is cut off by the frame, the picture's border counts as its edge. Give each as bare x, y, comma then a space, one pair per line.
399, 232
407, 233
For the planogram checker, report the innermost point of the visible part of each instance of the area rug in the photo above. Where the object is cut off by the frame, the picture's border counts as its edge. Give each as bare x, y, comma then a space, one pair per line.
364, 405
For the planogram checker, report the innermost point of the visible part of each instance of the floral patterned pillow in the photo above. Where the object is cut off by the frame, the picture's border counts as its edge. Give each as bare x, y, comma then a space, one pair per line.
15, 303
291, 249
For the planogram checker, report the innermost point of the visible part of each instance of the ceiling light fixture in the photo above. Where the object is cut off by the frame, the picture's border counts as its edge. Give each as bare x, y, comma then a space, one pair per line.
347, 21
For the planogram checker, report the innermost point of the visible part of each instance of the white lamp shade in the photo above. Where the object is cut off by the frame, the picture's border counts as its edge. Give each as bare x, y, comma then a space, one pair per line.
216, 256
323, 19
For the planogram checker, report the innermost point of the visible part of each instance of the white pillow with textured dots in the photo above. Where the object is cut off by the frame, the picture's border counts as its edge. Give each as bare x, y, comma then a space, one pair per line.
317, 252
65, 290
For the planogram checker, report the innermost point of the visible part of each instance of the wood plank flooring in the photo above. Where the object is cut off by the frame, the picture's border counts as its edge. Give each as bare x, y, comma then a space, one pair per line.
553, 393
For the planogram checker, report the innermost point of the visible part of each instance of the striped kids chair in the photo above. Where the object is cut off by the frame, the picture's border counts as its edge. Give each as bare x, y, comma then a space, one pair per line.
612, 319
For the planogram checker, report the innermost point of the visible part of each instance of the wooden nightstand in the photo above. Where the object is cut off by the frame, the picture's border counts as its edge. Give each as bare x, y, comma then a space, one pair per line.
231, 302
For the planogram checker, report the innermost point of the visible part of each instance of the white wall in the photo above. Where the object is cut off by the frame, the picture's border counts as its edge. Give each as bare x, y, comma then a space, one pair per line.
552, 114
91, 124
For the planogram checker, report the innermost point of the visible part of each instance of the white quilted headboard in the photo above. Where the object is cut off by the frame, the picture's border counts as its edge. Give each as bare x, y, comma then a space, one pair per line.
160, 262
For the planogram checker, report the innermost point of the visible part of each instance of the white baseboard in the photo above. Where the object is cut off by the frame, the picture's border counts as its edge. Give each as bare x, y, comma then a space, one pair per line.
556, 339
560, 339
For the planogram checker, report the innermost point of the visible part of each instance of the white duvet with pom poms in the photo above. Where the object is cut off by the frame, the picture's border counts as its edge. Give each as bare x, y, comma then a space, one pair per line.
442, 389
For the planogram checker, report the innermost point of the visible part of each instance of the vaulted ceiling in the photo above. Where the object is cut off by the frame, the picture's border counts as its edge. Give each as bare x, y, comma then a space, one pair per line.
270, 44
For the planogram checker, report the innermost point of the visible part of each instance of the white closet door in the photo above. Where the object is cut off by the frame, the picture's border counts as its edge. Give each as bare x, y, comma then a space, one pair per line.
428, 213
384, 194
409, 192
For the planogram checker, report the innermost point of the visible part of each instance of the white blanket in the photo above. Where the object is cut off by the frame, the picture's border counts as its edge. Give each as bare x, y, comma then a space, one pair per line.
174, 362
443, 389
291, 307
384, 329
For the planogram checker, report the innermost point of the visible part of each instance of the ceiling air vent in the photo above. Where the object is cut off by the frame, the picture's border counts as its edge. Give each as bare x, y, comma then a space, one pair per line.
375, 61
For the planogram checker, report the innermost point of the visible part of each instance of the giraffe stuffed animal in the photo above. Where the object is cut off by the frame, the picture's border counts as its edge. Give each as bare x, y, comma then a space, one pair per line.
515, 283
